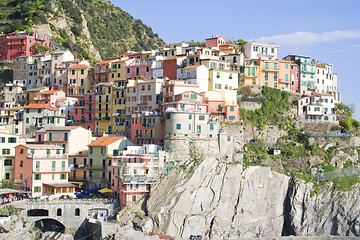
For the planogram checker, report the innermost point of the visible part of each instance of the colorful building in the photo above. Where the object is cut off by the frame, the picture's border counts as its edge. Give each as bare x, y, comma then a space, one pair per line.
18, 44
134, 171
260, 51
42, 170
99, 162
8, 142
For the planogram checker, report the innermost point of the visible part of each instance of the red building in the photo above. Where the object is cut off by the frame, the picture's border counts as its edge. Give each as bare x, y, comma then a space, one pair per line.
139, 68
294, 77
20, 44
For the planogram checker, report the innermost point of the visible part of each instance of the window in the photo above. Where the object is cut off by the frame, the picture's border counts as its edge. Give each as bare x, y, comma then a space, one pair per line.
178, 126
275, 66
50, 136
193, 96
211, 126
27, 120
58, 212
228, 138
21, 163
218, 75
266, 76
103, 150
8, 162
6, 151
275, 77
37, 177
232, 108
266, 65
232, 118
286, 66
11, 140
7, 176
217, 86
37, 165
190, 116
39, 110
63, 165
2, 140
63, 176
37, 189
198, 129
91, 150
77, 212
201, 117
65, 136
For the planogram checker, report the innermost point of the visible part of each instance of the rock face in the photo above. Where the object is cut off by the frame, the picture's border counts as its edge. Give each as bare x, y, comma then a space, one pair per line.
219, 199
325, 213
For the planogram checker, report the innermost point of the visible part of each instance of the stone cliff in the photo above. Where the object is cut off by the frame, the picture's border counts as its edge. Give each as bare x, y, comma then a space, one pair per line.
212, 195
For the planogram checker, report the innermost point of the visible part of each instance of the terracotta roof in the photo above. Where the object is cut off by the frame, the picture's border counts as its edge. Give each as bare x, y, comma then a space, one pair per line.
195, 66
104, 141
106, 61
78, 66
42, 106
48, 91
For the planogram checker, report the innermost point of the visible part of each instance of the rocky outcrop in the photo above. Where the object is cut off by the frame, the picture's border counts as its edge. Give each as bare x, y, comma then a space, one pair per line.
219, 199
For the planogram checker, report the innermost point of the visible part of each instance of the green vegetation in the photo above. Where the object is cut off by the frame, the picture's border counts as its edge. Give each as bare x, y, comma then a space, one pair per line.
112, 30
9, 209
8, 184
275, 105
193, 43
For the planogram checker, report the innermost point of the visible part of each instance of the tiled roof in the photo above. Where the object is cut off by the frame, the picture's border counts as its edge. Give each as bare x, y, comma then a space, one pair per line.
48, 91
104, 141
194, 66
106, 61
42, 106
79, 66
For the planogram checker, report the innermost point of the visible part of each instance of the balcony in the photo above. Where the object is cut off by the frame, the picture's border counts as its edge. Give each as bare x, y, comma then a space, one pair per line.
120, 87
102, 71
148, 125
46, 156
20, 181
143, 103
72, 84
89, 119
284, 80
271, 70
89, 101
100, 92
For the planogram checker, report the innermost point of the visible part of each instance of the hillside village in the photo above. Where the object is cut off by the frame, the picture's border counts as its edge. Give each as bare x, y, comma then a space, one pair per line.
67, 125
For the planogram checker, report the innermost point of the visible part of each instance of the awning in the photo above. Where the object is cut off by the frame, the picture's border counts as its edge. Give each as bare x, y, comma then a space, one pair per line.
59, 185
105, 190
8, 191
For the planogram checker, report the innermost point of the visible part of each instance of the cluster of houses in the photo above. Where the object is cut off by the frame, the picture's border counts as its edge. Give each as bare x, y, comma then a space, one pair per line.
77, 125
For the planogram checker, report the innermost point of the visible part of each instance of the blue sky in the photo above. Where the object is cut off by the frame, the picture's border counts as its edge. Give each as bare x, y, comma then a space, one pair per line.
328, 31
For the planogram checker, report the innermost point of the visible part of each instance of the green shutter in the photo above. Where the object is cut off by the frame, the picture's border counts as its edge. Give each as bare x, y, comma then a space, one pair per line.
53, 165
63, 165
50, 136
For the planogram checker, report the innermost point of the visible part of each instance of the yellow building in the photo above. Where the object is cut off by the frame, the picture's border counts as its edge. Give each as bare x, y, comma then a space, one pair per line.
31, 93
103, 107
250, 75
8, 142
100, 154
80, 79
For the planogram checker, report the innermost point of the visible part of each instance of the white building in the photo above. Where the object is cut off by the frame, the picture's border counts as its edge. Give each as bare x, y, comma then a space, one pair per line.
261, 51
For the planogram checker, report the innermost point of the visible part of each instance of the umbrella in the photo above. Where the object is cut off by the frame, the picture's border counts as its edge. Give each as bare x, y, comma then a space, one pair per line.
105, 190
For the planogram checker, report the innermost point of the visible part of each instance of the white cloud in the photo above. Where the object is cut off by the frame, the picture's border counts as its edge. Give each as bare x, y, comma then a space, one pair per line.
302, 38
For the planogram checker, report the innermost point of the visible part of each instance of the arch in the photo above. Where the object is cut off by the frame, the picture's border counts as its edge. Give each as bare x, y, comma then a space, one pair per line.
77, 212
326, 118
50, 224
38, 213
59, 212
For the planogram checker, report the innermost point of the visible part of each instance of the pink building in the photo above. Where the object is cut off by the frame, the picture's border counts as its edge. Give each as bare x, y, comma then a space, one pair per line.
147, 128
84, 114
186, 102
214, 42
275, 74
19, 44
42, 170
222, 104
139, 68
134, 171
294, 76
48, 97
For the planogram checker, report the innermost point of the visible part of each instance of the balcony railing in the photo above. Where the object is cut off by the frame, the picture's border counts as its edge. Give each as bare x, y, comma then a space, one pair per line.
46, 156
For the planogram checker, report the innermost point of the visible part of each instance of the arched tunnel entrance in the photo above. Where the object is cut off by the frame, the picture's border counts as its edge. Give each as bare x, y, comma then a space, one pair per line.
49, 225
